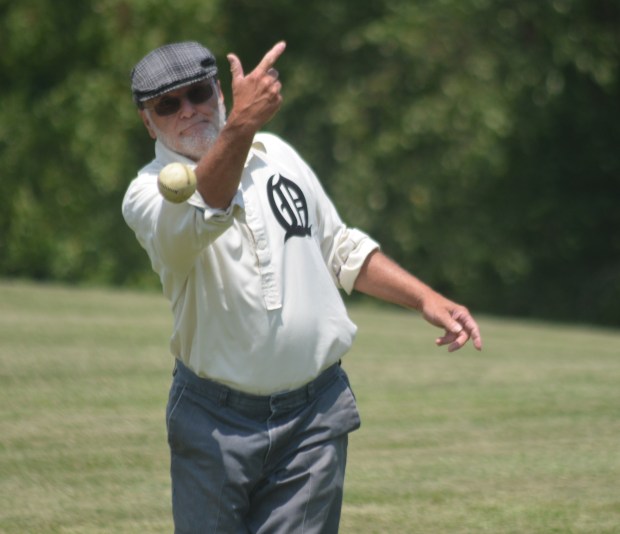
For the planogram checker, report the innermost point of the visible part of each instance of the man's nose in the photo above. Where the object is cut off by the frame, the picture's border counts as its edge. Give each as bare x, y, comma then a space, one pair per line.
187, 108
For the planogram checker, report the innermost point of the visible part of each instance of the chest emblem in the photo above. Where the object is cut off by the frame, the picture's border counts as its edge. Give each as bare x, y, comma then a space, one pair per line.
289, 206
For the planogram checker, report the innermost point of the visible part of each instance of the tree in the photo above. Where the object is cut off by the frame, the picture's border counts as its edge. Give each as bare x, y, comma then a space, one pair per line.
476, 140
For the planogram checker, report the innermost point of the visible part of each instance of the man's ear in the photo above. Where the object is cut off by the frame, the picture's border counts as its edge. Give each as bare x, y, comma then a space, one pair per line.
147, 123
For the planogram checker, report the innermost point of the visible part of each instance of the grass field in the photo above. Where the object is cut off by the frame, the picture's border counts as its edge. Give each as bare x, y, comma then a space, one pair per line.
521, 438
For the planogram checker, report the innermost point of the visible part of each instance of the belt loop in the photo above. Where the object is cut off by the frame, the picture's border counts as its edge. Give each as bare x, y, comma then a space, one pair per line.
223, 397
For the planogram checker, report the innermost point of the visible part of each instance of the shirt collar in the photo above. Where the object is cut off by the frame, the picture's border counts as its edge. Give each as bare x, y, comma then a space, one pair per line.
259, 145
166, 155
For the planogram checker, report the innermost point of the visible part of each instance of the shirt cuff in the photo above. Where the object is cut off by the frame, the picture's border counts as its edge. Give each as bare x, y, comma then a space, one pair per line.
352, 258
216, 215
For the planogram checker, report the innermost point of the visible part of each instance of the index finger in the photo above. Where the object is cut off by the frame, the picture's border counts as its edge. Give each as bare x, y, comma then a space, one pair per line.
272, 56
470, 325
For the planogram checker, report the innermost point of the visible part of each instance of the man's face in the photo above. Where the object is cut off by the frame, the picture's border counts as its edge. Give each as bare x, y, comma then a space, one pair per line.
187, 120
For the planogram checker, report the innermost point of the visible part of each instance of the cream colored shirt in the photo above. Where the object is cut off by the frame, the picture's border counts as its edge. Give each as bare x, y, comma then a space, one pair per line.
254, 289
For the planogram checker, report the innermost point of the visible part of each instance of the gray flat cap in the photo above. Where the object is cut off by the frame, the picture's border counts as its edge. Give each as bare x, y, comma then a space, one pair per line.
170, 67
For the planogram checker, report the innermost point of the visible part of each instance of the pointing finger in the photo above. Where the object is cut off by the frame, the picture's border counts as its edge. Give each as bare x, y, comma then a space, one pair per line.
272, 56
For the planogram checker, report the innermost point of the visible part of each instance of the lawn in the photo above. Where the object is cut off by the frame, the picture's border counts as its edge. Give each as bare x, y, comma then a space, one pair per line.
521, 438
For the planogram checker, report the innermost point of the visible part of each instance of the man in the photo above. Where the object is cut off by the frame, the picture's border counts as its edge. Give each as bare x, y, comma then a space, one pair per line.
259, 409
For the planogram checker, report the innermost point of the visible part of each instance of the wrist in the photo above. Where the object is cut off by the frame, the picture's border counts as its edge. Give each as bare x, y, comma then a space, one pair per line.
238, 125
422, 296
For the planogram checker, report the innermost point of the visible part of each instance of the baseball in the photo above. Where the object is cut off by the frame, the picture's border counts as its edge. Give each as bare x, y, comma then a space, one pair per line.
176, 182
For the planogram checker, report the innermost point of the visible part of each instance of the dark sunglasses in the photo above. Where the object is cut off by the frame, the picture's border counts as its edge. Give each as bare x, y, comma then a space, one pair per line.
169, 105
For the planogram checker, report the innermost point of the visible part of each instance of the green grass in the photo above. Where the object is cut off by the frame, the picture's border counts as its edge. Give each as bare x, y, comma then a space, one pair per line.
521, 438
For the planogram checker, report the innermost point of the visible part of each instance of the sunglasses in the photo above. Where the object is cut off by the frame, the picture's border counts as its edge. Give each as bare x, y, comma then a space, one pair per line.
169, 105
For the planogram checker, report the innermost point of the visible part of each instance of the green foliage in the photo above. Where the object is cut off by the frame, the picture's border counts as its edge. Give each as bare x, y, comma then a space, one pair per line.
477, 140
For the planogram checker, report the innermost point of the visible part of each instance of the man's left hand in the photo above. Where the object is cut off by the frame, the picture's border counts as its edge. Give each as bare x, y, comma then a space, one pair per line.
458, 323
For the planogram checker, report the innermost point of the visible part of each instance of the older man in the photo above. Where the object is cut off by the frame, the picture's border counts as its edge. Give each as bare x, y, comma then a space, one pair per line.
260, 409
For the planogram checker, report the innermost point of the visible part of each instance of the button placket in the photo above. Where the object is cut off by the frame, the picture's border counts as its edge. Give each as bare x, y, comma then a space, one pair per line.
269, 286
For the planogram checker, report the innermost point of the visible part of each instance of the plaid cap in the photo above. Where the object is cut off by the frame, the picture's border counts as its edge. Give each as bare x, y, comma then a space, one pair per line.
170, 67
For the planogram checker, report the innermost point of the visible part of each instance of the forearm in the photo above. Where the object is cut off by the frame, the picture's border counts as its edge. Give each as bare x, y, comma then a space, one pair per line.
219, 172
384, 279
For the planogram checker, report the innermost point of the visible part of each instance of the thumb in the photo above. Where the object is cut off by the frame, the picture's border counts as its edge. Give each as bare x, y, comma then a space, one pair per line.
236, 68
454, 327
449, 324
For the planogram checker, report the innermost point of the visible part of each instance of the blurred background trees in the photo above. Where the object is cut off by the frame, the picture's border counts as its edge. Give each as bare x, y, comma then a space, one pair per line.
477, 140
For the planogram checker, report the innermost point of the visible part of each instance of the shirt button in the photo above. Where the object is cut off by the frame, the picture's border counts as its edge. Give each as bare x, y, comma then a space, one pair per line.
262, 244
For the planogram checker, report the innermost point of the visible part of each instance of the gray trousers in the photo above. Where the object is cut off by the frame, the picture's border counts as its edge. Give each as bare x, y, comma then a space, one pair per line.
245, 464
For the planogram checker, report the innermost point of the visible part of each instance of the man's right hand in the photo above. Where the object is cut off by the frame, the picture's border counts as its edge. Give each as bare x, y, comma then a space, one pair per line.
256, 97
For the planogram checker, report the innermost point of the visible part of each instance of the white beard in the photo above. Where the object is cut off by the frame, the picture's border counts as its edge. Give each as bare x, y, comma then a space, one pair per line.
196, 144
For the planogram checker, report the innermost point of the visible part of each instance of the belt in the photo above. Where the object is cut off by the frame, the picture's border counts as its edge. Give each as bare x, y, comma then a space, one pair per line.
256, 406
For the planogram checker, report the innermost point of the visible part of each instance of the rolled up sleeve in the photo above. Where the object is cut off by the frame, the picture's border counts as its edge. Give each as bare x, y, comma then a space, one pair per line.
214, 217
351, 248
344, 249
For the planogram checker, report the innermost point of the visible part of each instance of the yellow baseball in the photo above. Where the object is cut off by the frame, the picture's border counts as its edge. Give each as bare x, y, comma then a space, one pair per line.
176, 182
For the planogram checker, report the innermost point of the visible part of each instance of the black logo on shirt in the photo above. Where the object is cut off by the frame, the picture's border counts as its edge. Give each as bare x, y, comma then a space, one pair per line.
289, 206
